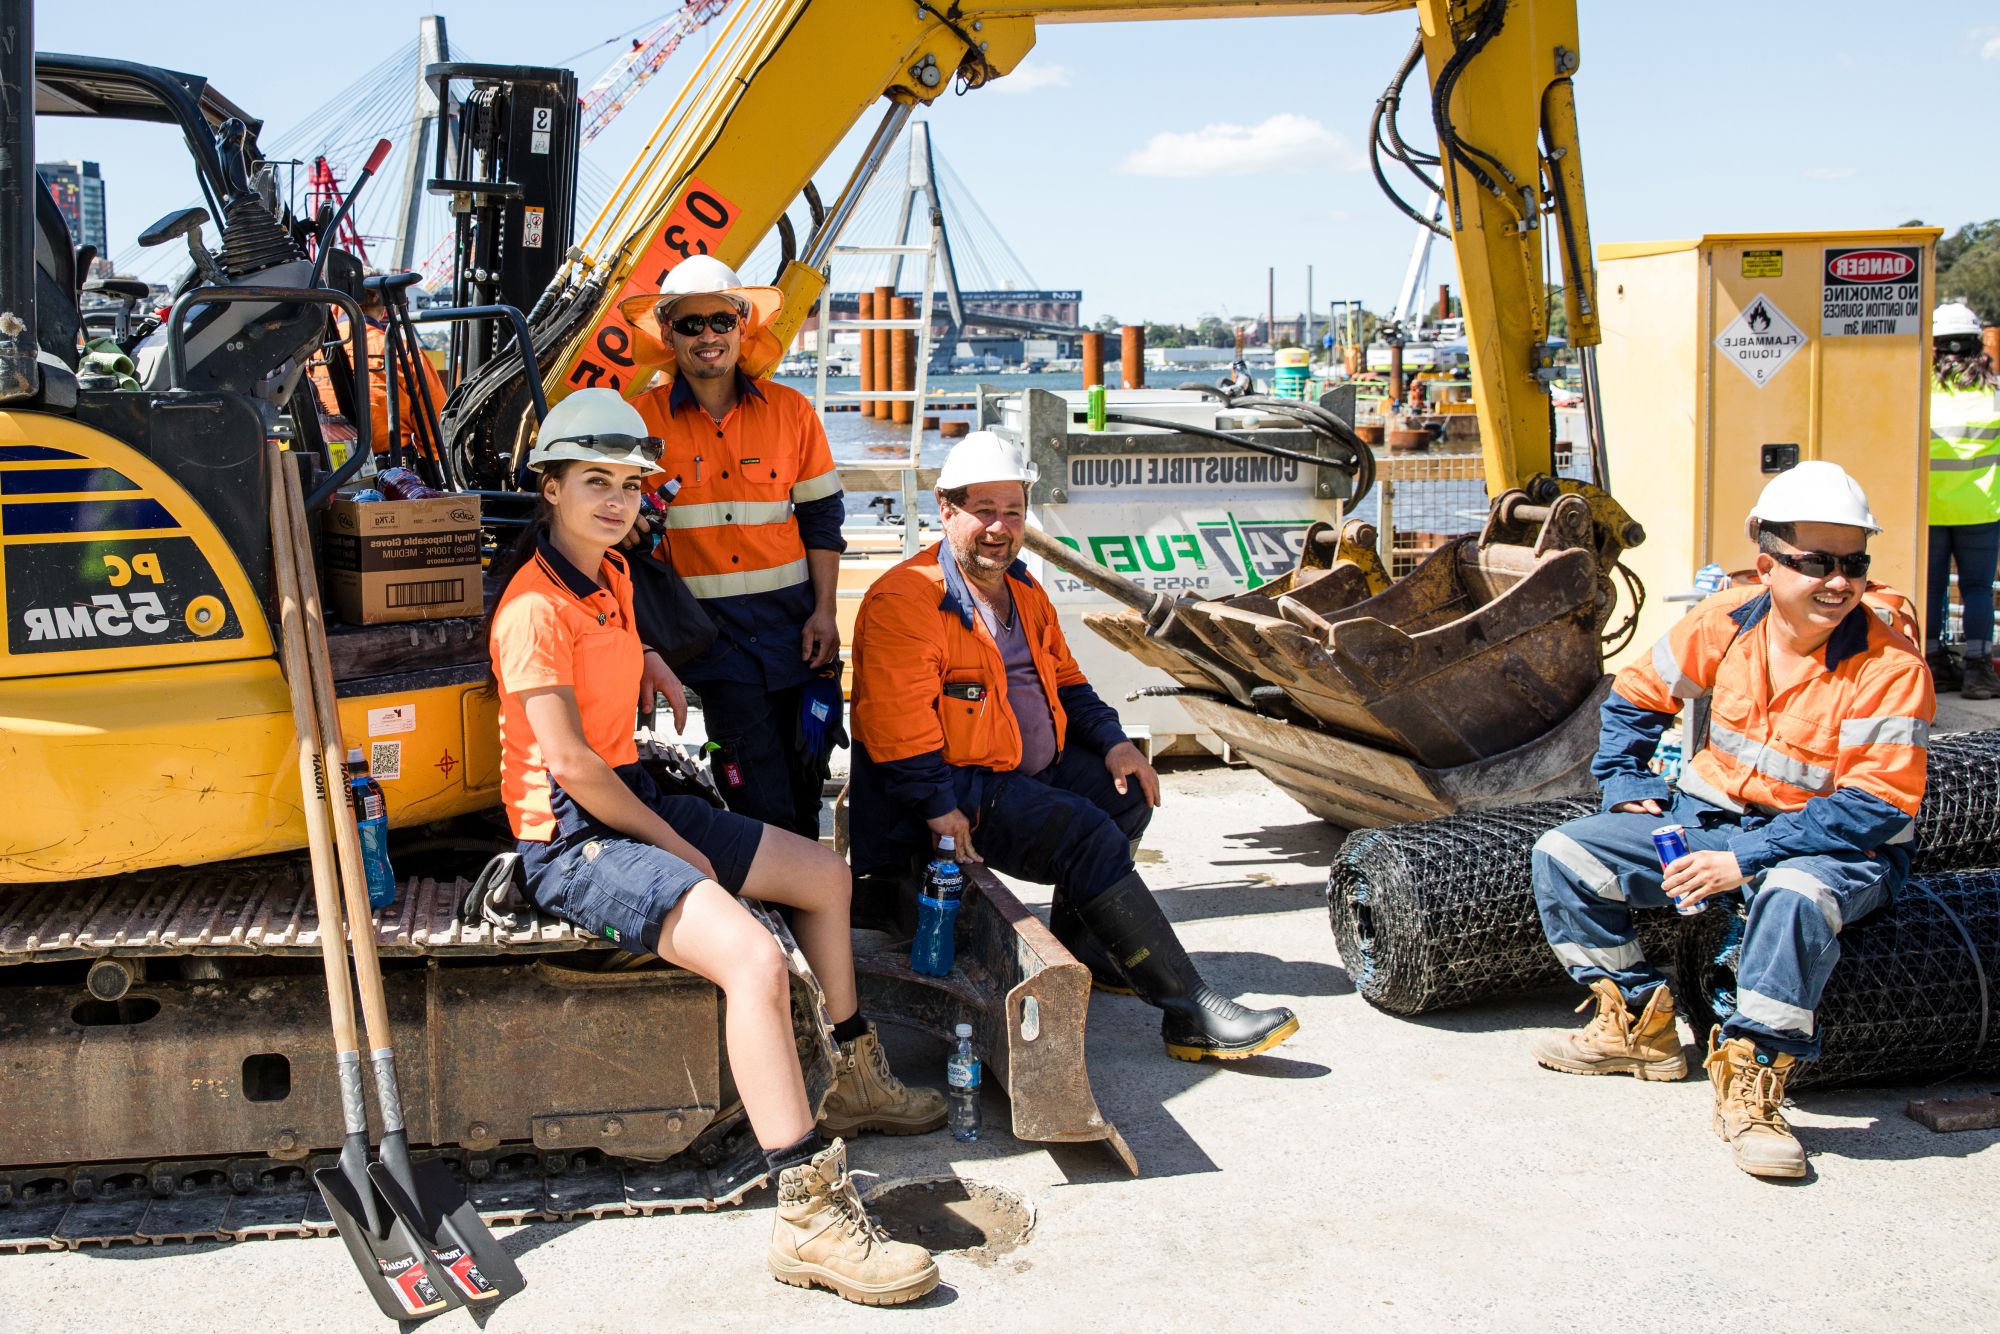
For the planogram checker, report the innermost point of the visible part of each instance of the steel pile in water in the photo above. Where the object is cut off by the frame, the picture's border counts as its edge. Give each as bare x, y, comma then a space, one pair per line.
1442, 912
1912, 997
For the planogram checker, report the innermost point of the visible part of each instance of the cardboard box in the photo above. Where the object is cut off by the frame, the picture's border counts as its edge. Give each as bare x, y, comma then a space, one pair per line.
403, 560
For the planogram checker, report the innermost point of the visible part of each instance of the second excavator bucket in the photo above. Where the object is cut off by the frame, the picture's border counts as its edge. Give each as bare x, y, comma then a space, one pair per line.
1374, 703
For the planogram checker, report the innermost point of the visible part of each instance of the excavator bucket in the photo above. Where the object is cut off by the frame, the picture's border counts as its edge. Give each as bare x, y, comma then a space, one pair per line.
1472, 681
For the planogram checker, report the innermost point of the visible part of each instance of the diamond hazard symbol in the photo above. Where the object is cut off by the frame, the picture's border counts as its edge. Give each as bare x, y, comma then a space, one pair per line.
1760, 340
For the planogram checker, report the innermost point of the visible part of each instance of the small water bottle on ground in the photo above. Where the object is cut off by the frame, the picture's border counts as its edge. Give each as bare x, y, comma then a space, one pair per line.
934, 948
371, 814
962, 1076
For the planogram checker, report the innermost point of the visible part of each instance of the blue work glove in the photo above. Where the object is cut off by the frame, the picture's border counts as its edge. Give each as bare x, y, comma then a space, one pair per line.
820, 726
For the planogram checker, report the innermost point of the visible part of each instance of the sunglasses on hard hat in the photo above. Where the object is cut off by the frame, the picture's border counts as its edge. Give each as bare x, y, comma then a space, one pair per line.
1822, 564
690, 326
647, 447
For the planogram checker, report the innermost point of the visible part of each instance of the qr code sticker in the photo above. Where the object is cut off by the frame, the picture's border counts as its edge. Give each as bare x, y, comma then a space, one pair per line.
385, 759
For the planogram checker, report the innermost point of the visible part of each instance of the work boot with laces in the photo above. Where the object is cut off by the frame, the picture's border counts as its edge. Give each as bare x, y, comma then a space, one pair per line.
1946, 675
867, 1095
1749, 1091
1614, 1043
1980, 682
823, 1236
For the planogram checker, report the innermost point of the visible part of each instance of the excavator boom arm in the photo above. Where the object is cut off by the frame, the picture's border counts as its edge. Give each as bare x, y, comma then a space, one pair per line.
735, 151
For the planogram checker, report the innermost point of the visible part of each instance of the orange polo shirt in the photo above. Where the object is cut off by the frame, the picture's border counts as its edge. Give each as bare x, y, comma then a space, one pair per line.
556, 626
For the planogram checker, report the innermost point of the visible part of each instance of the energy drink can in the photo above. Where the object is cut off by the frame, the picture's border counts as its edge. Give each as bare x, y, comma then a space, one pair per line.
1670, 840
1094, 410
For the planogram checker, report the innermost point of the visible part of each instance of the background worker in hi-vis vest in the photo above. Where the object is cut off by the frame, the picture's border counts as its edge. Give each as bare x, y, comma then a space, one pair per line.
1965, 500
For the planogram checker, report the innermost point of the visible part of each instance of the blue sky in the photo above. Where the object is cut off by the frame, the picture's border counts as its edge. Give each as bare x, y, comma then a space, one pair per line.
1162, 167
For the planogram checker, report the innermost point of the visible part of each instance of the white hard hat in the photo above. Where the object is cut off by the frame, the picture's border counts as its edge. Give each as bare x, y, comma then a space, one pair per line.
595, 426
1954, 319
984, 456
701, 275
1812, 492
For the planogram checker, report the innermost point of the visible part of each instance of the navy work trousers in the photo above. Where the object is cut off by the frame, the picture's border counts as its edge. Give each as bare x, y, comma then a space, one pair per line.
1975, 549
1067, 825
759, 767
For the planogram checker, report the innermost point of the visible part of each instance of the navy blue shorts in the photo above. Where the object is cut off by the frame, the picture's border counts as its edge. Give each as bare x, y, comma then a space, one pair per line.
612, 886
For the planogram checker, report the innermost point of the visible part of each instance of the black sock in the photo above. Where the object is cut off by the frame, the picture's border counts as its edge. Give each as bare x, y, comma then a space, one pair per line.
850, 1028
794, 1154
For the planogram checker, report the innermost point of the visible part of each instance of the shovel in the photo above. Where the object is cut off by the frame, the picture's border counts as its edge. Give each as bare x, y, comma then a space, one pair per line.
392, 1262
427, 1200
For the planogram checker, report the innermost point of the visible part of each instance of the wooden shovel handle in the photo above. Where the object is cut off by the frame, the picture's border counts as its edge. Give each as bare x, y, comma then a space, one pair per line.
314, 792
346, 835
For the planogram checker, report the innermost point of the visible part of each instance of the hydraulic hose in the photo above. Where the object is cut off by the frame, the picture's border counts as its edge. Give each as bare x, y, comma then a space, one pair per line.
1310, 415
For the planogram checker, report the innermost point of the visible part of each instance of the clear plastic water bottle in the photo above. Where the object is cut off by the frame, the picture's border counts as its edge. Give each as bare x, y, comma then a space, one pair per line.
371, 813
962, 1077
935, 946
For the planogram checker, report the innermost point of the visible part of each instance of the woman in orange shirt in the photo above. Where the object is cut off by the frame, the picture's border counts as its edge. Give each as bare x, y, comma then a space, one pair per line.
609, 853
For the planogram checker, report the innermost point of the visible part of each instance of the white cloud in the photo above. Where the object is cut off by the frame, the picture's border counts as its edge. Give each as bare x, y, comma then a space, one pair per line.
1283, 143
1028, 78
1989, 42
1827, 173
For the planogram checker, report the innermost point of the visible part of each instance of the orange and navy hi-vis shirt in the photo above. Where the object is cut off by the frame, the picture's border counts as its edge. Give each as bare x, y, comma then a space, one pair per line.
556, 626
758, 490
1833, 759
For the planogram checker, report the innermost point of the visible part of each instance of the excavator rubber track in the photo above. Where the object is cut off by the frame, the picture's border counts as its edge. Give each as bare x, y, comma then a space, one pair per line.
170, 1066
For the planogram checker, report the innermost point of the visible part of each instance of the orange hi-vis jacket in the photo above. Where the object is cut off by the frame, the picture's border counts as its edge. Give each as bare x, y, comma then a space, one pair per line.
1831, 760
930, 686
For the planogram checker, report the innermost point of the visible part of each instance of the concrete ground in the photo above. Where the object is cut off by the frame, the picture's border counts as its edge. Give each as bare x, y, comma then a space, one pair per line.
1374, 1173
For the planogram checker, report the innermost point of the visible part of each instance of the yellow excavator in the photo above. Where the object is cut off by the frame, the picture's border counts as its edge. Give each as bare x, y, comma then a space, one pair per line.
161, 1018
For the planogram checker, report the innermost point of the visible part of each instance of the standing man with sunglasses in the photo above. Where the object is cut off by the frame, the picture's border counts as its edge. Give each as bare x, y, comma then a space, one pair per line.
754, 530
1806, 745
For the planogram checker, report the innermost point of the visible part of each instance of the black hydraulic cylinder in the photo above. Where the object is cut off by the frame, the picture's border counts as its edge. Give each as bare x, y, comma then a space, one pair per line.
20, 377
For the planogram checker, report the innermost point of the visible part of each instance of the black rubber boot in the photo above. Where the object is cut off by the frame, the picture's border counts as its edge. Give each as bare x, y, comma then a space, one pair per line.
1197, 1020
1067, 926
1980, 682
1945, 672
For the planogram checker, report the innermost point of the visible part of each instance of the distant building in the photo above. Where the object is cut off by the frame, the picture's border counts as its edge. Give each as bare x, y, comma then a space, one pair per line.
79, 192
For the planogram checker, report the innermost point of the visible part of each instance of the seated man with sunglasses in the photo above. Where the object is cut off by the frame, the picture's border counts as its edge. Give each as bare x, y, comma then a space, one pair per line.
754, 531
1805, 752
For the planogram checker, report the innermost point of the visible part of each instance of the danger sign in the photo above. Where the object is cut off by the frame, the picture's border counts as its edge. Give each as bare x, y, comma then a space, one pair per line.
1760, 340
1872, 290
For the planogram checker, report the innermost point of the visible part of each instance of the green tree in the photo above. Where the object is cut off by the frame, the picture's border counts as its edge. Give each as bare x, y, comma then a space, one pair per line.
1107, 324
1212, 331
1166, 335
1968, 263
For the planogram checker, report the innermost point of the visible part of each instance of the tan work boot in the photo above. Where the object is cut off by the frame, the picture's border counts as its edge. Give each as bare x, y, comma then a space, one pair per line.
867, 1095
1613, 1044
823, 1236
1748, 1096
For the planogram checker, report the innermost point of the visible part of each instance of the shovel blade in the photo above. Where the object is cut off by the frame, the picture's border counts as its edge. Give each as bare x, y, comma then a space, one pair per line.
393, 1265
443, 1220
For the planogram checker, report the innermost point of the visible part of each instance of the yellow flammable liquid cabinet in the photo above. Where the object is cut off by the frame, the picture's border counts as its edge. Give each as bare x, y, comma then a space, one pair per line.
1728, 359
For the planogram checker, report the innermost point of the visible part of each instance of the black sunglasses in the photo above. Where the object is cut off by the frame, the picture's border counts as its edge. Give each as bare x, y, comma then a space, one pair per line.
1821, 564
648, 447
690, 326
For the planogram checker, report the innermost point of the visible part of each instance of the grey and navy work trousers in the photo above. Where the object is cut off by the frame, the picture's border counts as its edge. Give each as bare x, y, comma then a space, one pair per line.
1591, 873
760, 766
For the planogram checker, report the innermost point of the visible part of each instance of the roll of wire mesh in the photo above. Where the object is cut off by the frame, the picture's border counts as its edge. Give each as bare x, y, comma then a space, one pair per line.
1442, 912
1911, 998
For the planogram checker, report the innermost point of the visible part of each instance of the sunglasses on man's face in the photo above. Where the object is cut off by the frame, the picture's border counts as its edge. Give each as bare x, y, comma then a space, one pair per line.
1822, 564
690, 326
647, 447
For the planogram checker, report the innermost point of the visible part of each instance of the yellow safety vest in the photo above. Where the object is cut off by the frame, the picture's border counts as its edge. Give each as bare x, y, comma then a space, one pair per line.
1965, 457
